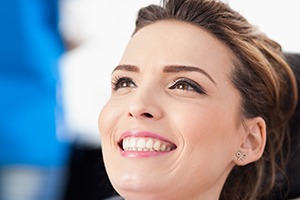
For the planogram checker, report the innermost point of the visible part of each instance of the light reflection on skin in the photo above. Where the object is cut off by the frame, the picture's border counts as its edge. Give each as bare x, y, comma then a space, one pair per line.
174, 81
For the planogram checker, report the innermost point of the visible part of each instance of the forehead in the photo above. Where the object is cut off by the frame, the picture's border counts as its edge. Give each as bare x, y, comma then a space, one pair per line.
175, 42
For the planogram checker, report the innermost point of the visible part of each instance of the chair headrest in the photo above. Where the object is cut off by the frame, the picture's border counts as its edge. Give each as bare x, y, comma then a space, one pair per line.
293, 170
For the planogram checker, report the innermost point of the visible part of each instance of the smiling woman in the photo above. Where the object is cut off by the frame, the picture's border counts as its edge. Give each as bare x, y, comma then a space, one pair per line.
196, 95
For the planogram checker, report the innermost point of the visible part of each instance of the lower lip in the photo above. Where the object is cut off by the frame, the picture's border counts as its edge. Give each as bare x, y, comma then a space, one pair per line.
142, 154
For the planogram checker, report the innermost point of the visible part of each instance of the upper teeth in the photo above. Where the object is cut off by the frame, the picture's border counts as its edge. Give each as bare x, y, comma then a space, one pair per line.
145, 144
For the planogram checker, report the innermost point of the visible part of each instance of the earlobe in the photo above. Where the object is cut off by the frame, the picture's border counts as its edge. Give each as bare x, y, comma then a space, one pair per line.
253, 144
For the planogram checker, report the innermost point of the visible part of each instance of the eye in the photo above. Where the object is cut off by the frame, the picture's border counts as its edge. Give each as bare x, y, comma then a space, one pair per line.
122, 82
187, 85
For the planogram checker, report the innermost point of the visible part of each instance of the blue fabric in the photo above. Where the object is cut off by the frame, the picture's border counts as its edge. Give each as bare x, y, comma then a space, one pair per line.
30, 46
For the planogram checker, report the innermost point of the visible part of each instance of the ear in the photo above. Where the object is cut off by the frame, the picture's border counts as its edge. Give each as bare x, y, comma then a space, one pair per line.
253, 144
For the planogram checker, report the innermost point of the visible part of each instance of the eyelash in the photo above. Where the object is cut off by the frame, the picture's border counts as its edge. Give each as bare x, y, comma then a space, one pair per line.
118, 81
188, 82
194, 87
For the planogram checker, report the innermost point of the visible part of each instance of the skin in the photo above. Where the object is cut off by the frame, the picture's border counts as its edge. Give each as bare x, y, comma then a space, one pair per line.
204, 126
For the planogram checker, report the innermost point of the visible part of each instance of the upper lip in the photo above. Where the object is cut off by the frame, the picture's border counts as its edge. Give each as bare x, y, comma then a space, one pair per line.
135, 133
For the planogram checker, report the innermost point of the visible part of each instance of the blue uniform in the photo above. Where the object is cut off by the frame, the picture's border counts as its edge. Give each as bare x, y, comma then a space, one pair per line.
30, 46
31, 124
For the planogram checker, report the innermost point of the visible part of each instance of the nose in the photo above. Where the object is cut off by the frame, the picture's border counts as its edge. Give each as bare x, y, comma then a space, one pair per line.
144, 105
142, 115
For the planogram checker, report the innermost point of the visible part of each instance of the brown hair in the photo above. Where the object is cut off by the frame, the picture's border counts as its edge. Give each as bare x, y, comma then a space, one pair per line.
262, 76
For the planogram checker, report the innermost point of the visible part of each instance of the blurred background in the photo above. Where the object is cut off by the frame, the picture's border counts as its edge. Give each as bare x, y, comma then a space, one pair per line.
95, 33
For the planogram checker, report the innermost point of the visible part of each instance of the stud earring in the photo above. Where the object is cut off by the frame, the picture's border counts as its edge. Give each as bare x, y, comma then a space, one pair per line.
240, 155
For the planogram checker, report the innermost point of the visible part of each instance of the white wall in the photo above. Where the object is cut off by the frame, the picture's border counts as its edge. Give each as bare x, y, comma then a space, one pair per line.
277, 18
103, 27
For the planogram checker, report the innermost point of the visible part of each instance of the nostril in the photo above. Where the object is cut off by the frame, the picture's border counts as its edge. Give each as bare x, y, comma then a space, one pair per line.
148, 115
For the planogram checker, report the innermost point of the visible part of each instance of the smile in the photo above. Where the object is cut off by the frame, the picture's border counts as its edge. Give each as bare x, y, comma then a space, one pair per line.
146, 144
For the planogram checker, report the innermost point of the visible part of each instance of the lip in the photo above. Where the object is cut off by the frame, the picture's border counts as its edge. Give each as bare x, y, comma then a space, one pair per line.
143, 134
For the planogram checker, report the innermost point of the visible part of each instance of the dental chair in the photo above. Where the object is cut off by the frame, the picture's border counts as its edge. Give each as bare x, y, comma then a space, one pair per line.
293, 169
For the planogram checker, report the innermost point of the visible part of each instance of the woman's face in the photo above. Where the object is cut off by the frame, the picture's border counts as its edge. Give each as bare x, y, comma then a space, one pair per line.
172, 125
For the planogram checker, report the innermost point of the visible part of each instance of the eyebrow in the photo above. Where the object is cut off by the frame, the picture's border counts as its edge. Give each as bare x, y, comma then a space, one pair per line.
130, 68
183, 68
167, 69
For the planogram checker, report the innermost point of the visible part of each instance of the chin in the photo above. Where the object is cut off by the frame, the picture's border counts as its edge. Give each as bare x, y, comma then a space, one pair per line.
132, 188
135, 194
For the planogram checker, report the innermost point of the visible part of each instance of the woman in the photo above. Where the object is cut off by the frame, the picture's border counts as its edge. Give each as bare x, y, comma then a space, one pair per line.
196, 95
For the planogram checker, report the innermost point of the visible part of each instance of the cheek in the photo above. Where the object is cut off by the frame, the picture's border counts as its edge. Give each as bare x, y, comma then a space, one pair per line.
208, 142
209, 128
107, 119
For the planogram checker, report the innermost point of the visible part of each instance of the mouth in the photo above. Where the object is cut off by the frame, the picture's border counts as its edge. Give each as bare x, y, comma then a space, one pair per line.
145, 144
